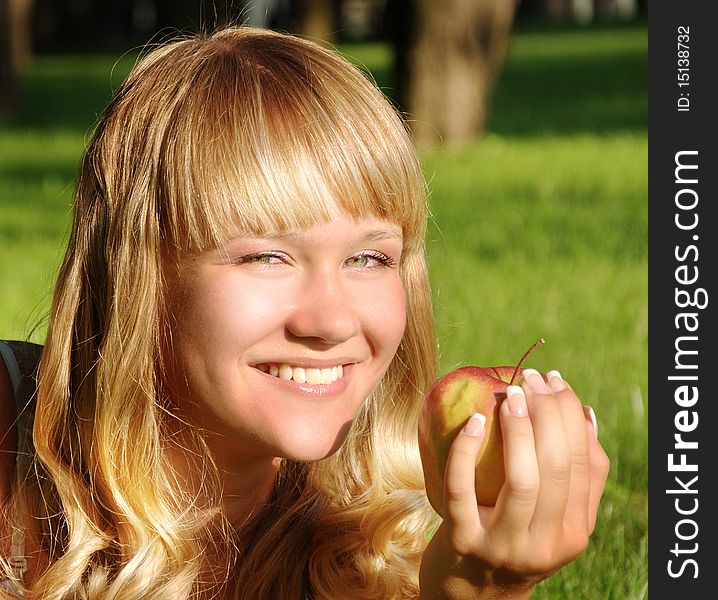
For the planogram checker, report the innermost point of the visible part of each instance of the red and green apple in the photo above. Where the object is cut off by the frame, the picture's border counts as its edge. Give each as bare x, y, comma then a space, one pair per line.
449, 403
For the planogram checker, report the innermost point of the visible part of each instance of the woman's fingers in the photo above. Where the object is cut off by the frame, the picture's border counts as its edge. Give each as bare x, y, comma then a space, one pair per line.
517, 501
461, 514
555, 475
599, 468
577, 507
553, 454
577, 480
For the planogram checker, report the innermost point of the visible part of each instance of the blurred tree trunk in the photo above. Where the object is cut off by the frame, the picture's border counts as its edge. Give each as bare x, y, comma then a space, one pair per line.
15, 46
21, 32
316, 20
449, 60
557, 10
7, 72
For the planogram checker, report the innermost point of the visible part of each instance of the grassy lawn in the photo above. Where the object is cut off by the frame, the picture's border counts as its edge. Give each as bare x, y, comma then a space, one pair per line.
538, 230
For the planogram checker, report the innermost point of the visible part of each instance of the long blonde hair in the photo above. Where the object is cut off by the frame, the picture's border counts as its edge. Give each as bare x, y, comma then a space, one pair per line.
242, 129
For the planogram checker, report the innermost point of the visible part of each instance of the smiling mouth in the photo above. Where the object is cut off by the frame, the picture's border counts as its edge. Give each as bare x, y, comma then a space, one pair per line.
309, 375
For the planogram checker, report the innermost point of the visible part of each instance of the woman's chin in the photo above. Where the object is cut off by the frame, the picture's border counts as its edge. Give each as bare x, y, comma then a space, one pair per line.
316, 446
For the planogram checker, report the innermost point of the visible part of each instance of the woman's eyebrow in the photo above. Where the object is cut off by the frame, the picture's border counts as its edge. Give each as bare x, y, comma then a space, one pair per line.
373, 235
381, 234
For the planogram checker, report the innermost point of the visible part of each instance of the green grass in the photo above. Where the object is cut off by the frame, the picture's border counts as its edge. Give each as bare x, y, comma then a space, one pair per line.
538, 230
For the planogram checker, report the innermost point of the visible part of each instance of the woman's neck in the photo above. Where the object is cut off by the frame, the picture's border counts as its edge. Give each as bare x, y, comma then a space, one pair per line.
245, 483
246, 488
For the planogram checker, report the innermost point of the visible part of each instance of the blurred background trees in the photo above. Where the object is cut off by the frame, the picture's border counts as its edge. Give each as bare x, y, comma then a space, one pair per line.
446, 54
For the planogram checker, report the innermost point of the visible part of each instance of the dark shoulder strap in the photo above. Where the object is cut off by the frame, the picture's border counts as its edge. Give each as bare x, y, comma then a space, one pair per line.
22, 360
13, 368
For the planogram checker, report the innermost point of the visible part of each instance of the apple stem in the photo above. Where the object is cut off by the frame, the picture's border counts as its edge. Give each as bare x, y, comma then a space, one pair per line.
538, 343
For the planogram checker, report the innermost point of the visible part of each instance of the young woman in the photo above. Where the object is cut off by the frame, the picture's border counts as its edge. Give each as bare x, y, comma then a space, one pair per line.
240, 339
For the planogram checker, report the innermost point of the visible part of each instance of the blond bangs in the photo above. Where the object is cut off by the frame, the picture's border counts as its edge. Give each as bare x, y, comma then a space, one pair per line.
262, 142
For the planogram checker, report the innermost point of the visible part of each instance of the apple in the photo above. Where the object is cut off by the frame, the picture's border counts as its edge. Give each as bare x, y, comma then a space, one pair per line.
449, 403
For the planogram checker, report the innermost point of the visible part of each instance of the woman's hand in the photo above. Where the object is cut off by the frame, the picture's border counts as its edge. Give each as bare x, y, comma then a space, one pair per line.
555, 474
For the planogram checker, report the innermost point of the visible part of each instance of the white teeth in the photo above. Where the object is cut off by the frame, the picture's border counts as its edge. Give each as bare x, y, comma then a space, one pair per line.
326, 376
299, 375
314, 376
310, 375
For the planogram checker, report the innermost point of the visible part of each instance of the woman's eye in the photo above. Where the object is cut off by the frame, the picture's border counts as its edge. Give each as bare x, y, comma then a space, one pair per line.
263, 259
370, 260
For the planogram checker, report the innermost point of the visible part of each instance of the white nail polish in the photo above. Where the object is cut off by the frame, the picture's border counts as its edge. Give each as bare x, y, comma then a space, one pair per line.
592, 416
535, 384
516, 400
555, 381
475, 425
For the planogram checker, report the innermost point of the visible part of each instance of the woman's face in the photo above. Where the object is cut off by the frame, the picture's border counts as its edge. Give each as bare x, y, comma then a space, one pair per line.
278, 340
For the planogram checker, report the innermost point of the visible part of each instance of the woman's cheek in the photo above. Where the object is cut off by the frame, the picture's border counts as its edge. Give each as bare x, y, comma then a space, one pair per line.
239, 311
387, 316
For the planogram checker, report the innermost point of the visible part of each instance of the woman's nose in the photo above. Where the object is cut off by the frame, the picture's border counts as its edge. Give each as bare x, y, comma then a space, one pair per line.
324, 311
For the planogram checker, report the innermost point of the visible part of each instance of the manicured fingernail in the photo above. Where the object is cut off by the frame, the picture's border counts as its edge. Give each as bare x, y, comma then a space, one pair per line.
475, 425
517, 401
591, 416
555, 381
534, 380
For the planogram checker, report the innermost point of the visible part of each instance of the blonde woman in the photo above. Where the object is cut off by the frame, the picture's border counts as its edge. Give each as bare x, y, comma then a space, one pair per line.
240, 338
